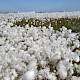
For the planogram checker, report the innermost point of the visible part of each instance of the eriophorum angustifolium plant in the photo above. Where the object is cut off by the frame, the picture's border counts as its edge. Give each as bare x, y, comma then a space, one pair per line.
38, 53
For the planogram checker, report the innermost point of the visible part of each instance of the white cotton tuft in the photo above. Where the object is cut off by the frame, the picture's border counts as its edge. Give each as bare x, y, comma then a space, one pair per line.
62, 70
7, 78
29, 75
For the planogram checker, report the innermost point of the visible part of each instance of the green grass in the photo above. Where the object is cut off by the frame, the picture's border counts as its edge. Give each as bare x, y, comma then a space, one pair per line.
70, 23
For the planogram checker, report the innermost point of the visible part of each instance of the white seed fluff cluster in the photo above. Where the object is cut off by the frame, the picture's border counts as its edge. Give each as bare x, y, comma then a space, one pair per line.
35, 53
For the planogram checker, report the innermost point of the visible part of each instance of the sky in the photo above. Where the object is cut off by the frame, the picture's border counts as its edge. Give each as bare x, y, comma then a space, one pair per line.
39, 5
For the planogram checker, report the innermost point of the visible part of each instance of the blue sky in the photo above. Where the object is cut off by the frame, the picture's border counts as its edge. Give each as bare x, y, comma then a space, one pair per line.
39, 5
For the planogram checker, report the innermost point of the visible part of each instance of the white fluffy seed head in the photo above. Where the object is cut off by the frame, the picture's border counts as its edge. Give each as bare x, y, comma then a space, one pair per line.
29, 75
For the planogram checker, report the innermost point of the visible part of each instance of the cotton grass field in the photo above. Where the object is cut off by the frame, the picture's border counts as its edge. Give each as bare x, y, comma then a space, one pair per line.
40, 46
